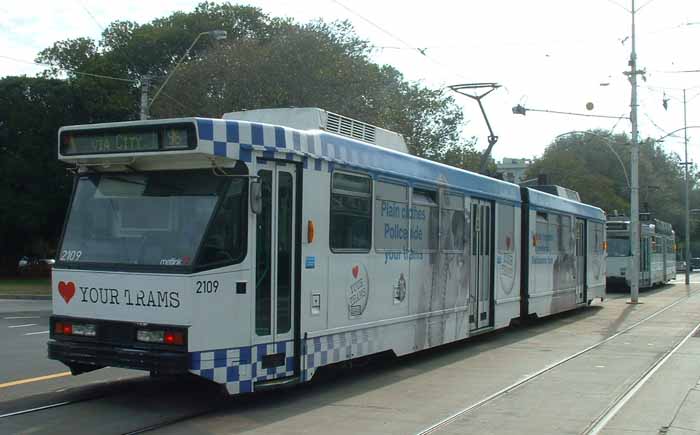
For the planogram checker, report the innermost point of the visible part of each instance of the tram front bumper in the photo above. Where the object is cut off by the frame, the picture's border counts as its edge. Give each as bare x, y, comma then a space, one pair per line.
91, 356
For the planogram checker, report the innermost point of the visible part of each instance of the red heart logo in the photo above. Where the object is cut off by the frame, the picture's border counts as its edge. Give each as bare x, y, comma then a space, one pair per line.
355, 271
67, 290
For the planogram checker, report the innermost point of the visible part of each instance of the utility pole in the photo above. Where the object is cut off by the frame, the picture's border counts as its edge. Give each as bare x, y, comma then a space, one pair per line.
687, 202
634, 188
145, 84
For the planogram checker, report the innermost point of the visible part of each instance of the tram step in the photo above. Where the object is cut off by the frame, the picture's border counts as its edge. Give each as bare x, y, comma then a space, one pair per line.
277, 383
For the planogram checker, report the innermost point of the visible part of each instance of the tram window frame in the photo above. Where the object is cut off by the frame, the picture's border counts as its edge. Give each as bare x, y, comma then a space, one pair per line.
229, 220
596, 232
379, 195
448, 210
567, 235
334, 213
506, 218
543, 245
425, 197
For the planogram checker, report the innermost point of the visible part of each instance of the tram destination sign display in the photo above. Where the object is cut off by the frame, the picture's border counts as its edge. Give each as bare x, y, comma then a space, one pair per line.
169, 137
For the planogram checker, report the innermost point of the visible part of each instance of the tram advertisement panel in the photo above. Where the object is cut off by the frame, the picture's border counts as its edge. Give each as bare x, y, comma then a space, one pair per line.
113, 296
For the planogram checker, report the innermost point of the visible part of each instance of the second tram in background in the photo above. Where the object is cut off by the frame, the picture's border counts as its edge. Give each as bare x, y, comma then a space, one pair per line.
657, 250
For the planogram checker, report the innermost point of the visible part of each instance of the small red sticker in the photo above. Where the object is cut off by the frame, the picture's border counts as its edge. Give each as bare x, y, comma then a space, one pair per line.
355, 271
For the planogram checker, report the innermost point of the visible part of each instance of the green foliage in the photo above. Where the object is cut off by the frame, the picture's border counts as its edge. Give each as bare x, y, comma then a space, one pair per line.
264, 62
34, 187
586, 163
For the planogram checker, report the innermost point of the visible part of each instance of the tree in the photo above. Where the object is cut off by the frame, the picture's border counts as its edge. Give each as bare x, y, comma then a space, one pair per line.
264, 62
34, 187
585, 163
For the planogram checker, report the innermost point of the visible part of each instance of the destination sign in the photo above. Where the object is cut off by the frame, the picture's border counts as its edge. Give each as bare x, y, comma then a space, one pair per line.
128, 140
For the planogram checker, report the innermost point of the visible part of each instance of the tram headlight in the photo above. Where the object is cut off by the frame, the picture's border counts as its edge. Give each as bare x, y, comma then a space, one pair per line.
160, 336
70, 328
149, 335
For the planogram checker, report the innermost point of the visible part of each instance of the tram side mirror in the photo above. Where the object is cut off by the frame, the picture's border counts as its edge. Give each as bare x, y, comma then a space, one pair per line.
256, 197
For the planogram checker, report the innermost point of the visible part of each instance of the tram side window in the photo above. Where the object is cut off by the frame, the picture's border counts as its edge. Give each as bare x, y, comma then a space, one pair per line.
506, 228
227, 236
391, 217
596, 248
453, 223
424, 221
351, 213
542, 235
555, 233
565, 235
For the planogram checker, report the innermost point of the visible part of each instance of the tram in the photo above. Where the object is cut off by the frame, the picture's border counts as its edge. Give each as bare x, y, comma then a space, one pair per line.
657, 252
254, 249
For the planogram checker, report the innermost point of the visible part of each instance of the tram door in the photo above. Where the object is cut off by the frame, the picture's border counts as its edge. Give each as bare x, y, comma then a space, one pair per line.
481, 256
274, 259
580, 261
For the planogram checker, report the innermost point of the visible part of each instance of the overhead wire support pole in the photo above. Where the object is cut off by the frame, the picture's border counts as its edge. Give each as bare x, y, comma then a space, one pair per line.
687, 199
492, 138
634, 189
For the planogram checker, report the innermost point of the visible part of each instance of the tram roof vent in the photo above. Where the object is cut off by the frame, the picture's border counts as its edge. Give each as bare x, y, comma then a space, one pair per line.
312, 118
559, 191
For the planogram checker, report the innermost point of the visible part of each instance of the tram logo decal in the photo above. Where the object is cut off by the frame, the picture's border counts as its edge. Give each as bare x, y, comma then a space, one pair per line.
66, 290
400, 290
113, 296
357, 292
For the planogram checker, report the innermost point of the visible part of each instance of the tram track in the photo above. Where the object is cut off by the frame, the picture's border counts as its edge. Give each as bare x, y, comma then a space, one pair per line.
128, 393
209, 408
612, 409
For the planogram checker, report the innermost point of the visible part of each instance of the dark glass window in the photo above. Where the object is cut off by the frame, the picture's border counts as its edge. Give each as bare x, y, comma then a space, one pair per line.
158, 218
351, 213
227, 237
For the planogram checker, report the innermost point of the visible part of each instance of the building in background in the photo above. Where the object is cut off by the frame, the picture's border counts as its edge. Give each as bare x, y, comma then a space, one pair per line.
513, 170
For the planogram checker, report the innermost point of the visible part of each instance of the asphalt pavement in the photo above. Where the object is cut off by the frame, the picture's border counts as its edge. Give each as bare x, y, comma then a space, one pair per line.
471, 380
24, 331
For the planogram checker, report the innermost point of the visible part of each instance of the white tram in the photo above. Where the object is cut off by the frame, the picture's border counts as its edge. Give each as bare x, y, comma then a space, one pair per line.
254, 249
657, 252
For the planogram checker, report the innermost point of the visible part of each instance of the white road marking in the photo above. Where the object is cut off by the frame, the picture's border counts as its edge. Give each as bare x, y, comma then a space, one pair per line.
21, 317
22, 326
35, 333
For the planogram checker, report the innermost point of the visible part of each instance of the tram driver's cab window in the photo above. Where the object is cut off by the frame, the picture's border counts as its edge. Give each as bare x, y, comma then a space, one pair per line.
226, 238
351, 213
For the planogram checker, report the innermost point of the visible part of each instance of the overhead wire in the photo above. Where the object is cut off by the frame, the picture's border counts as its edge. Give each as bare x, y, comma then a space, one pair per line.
420, 50
91, 15
101, 76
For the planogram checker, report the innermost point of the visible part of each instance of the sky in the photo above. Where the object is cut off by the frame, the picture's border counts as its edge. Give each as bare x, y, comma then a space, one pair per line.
553, 55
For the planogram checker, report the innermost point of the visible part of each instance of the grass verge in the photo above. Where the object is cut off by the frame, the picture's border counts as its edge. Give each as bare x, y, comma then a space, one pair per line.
25, 286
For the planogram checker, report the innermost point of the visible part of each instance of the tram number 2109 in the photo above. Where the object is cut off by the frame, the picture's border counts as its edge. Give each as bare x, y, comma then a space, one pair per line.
207, 286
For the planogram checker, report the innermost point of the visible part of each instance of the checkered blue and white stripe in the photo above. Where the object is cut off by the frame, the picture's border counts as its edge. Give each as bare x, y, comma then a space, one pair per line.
239, 139
239, 368
329, 349
318, 150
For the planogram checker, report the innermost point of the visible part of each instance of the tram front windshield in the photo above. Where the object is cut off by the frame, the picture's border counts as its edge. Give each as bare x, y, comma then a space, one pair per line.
618, 246
156, 219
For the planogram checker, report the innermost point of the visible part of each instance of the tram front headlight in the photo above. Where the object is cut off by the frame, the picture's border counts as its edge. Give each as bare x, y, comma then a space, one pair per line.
150, 335
71, 328
176, 338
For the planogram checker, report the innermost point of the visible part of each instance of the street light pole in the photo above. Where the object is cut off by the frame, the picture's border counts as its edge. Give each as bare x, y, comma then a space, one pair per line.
634, 188
145, 85
687, 202
216, 34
